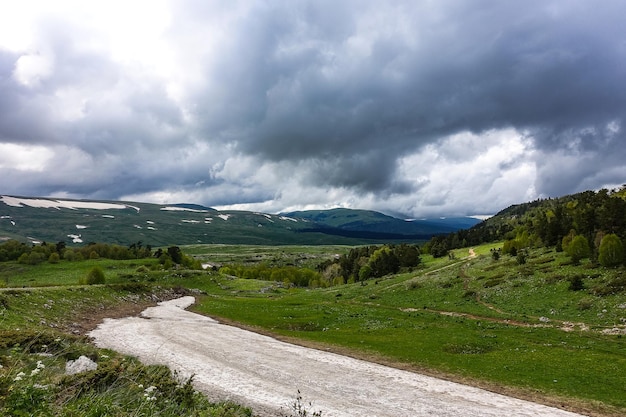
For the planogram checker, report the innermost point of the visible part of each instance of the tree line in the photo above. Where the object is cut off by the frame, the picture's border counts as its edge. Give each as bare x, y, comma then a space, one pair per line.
12, 250
359, 264
366, 262
584, 225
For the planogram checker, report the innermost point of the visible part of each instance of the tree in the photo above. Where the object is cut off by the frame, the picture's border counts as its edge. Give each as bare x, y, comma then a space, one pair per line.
383, 262
365, 273
175, 254
578, 249
611, 251
408, 255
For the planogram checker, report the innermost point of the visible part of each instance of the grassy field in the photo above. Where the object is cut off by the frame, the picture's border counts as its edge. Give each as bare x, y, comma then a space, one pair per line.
42, 320
301, 256
524, 329
508, 327
13, 274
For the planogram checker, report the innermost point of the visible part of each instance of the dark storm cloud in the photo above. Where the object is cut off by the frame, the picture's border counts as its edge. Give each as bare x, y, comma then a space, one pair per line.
304, 92
335, 103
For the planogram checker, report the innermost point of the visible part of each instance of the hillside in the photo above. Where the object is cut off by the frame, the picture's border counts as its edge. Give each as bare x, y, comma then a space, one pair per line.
31, 219
372, 221
546, 223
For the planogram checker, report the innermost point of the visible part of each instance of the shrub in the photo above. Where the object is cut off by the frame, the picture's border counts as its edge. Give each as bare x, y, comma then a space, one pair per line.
585, 303
611, 251
54, 258
95, 276
576, 283
413, 285
578, 249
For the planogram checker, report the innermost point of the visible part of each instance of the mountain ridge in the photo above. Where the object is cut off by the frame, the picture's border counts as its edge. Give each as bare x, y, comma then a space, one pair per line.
78, 221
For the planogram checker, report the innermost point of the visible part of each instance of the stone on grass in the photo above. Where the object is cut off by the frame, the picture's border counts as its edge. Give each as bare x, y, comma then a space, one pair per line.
82, 364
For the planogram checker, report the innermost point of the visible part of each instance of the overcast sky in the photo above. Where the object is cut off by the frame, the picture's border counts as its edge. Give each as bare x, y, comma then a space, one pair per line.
413, 108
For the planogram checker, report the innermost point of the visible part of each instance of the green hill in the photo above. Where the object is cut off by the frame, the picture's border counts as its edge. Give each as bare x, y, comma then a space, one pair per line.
547, 222
31, 219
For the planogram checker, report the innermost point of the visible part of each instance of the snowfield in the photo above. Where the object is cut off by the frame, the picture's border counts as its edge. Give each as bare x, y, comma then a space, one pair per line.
265, 374
59, 204
173, 208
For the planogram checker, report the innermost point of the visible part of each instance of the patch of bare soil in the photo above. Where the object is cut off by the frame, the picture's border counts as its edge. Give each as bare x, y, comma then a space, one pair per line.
87, 319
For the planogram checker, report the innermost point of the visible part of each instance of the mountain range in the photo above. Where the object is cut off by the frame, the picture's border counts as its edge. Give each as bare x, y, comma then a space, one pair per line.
37, 219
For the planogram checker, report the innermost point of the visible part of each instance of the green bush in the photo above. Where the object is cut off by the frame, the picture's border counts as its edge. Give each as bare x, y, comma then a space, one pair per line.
95, 276
576, 283
611, 251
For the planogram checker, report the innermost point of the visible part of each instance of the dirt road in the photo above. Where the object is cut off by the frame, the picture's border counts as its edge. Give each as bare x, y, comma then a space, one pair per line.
265, 374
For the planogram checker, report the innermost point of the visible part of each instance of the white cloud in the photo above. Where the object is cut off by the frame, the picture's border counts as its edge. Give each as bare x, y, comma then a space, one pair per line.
408, 107
24, 157
30, 70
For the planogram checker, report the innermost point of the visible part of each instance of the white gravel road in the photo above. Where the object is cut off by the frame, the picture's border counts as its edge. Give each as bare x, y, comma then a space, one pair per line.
265, 374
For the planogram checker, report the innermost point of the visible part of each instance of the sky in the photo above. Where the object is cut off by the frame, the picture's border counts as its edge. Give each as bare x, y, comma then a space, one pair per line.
413, 108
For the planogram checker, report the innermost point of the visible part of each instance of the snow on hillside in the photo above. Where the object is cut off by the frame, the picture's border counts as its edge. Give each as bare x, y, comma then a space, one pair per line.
59, 204
172, 208
75, 238
288, 218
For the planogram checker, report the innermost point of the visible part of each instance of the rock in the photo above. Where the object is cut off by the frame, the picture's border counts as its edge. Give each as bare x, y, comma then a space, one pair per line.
82, 364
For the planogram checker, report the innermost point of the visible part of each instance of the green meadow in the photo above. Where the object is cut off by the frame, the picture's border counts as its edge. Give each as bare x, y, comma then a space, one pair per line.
510, 328
545, 330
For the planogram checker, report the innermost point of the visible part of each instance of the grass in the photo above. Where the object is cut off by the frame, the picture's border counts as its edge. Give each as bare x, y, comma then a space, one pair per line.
13, 274
33, 383
494, 324
294, 255
37, 338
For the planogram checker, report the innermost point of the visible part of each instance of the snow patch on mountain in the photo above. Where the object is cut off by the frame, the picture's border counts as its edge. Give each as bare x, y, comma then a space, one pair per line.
75, 238
59, 204
173, 208
288, 218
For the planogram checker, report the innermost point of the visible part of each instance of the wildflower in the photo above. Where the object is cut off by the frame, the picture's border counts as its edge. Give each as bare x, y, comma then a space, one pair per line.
35, 371
19, 376
40, 365
148, 391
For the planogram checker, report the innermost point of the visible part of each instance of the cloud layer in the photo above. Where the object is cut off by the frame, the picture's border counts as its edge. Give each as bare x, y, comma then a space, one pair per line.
412, 108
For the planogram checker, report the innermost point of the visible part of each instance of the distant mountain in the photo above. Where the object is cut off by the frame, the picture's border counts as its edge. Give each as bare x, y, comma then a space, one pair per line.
35, 219
350, 222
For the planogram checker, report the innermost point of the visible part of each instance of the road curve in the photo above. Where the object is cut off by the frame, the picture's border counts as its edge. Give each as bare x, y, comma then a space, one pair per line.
265, 374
